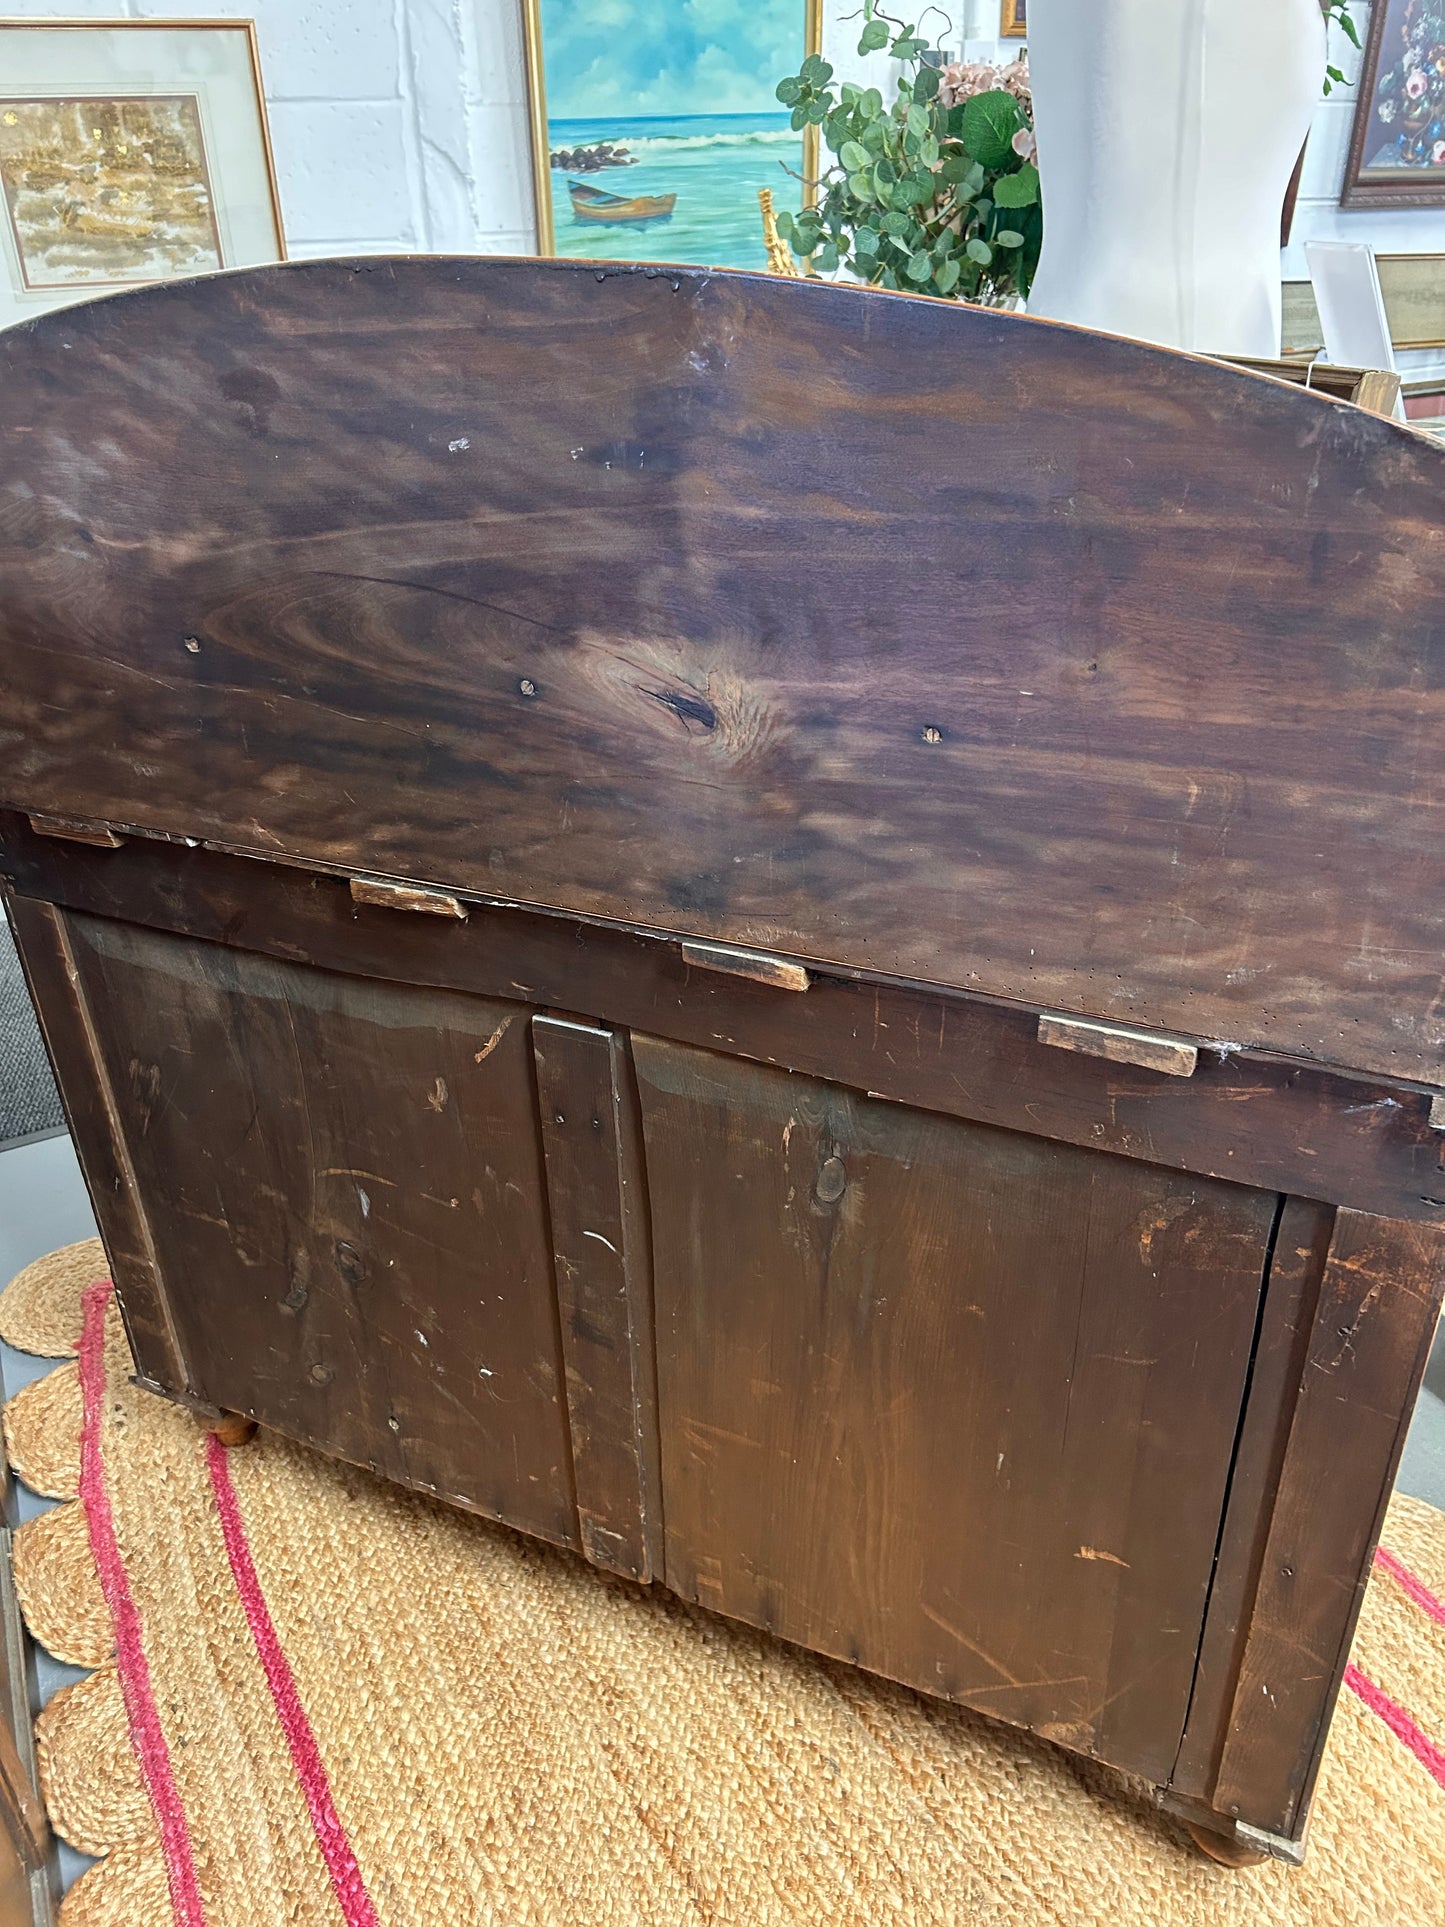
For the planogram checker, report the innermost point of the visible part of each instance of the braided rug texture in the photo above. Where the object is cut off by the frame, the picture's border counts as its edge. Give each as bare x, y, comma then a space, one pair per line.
319, 1699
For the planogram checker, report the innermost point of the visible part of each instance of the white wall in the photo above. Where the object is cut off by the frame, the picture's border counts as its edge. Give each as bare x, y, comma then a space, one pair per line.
1319, 216
402, 124
397, 124
974, 35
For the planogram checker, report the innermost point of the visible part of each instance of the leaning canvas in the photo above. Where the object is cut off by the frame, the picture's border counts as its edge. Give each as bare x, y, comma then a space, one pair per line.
655, 127
130, 152
105, 191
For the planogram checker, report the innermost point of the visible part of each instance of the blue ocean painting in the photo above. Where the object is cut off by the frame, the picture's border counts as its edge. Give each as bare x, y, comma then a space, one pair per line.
663, 123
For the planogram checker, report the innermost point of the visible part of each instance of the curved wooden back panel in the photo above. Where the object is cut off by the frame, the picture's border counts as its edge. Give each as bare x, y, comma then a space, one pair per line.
937, 644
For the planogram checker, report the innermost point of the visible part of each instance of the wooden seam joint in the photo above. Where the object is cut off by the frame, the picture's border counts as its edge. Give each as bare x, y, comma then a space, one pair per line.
755, 964
406, 896
1174, 1056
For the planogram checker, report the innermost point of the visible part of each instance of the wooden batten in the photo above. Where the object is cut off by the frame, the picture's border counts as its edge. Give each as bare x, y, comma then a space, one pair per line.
777, 971
1175, 1056
99, 835
384, 895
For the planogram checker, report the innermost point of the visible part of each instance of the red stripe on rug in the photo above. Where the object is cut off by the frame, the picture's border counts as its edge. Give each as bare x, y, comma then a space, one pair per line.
142, 1716
1413, 1588
331, 1835
1398, 1721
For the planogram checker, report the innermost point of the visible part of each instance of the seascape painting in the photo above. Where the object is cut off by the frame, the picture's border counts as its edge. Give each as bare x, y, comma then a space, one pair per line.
105, 192
663, 122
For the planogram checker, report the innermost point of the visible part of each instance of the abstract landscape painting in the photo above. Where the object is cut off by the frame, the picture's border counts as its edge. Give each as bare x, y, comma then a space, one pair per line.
106, 191
663, 122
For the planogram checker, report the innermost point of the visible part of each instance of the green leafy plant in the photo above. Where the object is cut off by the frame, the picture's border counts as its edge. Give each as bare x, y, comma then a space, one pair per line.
1337, 13
936, 192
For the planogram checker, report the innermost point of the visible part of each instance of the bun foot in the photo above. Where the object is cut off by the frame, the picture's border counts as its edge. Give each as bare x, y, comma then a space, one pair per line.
1222, 1848
232, 1429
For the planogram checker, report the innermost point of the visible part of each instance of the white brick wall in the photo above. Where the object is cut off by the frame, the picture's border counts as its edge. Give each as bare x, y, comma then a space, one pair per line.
402, 124
397, 124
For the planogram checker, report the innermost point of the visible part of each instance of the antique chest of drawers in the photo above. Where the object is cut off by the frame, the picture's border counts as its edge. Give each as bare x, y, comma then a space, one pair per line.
789, 936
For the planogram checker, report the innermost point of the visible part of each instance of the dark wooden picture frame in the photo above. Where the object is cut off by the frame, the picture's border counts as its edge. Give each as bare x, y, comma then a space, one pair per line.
1419, 183
1013, 20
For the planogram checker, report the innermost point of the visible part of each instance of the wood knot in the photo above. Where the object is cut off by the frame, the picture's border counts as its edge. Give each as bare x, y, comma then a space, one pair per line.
832, 1181
349, 1263
687, 708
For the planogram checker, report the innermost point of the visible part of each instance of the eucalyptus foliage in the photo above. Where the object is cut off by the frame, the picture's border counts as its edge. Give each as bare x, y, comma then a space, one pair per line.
1339, 12
921, 193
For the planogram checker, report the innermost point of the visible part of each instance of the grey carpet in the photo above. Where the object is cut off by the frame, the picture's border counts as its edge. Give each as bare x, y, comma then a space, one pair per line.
28, 1099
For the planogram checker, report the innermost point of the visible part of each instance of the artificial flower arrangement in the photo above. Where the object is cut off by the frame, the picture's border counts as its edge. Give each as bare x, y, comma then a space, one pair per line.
936, 192
1410, 93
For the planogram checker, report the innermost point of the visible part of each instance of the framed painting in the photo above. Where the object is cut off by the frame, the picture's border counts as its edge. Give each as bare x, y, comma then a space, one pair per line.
130, 151
1014, 23
654, 126
1397, 150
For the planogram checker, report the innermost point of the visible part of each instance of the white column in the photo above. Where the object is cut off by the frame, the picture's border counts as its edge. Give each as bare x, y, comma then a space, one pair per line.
1168, 131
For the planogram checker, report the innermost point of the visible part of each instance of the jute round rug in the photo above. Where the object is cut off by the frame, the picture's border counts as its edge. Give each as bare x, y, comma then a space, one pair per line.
321, 1700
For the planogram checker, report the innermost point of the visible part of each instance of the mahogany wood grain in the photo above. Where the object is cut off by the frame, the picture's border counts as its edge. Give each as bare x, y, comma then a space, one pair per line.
347, 1209
931, 1399
1300, 1249
1363, 1142
1084, 674
1377, 1313
604, 1287
675, 643
122, 1211
20, 1904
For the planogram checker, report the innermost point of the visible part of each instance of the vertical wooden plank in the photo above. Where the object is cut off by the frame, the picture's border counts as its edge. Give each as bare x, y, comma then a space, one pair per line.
21, 1888
345, 1186
950, 1402
43, 940
1301, 1246
1378, 1308
22, 1811
604, 1287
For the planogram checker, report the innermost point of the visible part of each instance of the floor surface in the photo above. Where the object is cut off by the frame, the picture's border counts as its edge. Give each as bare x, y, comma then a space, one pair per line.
43, 1205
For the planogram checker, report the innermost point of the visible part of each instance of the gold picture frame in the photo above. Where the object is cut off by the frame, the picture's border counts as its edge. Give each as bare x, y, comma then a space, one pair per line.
541, 143
1397, 104
1413, 286
1013, 20
177, 175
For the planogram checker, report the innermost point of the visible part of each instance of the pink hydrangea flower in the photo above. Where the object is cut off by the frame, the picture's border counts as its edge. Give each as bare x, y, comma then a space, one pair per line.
1015, 80
962, 79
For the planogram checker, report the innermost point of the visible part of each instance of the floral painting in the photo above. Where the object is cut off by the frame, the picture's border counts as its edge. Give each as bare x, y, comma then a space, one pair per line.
662, 122
105, 191
1398, 153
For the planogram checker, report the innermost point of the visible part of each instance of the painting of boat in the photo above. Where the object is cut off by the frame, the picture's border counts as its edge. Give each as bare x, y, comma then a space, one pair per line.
619, 210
